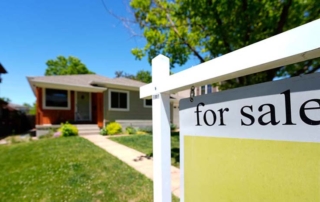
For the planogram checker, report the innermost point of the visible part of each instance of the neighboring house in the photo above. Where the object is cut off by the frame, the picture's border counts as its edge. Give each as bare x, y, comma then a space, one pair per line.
91, 99
205, 89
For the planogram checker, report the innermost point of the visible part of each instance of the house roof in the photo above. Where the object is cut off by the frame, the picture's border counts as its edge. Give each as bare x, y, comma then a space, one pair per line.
2, 69
87, 82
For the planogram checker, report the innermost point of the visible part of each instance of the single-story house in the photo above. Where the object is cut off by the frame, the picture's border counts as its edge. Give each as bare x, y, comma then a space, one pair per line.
93, 99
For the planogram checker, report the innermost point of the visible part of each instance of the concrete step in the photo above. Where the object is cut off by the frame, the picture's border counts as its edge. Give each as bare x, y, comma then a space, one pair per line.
89, 132
86, 127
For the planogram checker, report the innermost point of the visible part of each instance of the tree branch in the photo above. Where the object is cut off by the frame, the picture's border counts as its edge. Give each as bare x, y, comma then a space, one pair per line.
174, 27
283, 17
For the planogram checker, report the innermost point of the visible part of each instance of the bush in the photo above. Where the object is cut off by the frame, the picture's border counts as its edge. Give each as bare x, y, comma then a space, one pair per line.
140, 132
147, 129
114, 128
48, 135
131, 130
103, 131
173, 127
68, 130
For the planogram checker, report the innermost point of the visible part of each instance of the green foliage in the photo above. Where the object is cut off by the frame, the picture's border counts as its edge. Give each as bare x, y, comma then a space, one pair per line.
5, 99
32, 108
143, 143
173, 126
114, 128
66, 66
103, 131
68, 130
68, 169
205, 30
142, 75
46, 136
146, 129
131, 130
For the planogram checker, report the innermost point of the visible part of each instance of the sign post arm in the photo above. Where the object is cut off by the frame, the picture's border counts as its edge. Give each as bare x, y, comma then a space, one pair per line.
161, 132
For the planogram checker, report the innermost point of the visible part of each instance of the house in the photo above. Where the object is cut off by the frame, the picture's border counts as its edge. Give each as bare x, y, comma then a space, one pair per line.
91, 99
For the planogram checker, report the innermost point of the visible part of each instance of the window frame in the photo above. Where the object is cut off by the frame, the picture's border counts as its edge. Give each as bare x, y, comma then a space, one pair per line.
145, 103
118, 91
44, 106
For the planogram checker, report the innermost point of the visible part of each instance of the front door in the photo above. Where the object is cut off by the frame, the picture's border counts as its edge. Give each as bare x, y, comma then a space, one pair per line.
82, 109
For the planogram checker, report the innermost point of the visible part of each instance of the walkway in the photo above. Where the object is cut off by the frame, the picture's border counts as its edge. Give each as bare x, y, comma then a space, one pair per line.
132, 158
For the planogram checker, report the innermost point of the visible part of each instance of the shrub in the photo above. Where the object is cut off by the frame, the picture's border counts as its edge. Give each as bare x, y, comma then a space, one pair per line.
48, 135
147, 129
173, 126
114, 128
139, 132
131, 130
103, 131
68, 129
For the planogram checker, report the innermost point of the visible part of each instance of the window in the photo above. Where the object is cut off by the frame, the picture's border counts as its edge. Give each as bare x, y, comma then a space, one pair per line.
148, 103
203, 90
119, 100
209, 88
56, 99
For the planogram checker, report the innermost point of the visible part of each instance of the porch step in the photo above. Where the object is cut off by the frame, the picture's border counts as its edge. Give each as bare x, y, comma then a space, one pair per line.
88, 129
89, 132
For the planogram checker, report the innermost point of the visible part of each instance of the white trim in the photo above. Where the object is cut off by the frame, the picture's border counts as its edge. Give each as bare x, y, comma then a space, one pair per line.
118, 91
43, 84
145, 104
161, 132
55, 108
76, 108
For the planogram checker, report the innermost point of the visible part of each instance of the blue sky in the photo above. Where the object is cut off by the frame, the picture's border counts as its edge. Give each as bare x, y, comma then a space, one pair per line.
34, 31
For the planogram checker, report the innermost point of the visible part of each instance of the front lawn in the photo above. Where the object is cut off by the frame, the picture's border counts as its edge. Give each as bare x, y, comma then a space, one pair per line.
143, 143
68, 169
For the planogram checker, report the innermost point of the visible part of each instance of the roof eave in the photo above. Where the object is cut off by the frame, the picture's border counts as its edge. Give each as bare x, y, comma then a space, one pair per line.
118, 86
44, 84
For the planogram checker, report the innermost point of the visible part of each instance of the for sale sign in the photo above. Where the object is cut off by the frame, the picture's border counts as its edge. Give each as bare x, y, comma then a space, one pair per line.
256, 143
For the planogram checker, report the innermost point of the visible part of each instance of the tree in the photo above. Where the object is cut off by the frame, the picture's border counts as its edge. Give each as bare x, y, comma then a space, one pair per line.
5, 99
124, 74
32, 108
66, 66
207, 29
142, 75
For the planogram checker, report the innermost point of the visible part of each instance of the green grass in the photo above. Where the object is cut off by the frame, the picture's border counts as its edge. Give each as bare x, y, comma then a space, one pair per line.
143, 143
68, 169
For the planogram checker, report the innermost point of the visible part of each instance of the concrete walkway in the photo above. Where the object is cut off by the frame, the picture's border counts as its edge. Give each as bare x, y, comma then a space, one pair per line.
133, 159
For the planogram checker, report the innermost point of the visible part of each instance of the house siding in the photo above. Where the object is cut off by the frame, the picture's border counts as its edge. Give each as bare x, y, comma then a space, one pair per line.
136, 109
53, 116
58, 116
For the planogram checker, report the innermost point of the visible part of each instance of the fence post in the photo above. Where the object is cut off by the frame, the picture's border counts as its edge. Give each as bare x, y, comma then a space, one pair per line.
161, 132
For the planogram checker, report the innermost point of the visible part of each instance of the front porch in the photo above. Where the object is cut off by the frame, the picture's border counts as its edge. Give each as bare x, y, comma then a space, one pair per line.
83, 129
56, 106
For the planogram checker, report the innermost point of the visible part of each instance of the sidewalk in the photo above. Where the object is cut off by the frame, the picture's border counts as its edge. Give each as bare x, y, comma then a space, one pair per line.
131, 157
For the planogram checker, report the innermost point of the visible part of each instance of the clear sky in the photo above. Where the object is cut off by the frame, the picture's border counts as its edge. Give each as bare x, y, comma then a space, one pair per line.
34, 31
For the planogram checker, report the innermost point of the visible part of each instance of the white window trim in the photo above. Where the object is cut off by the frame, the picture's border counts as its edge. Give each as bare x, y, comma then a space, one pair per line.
145, 104
58, 108
118, 91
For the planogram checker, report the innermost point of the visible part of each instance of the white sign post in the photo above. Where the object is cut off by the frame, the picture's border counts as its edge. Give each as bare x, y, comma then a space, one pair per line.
297, 45
161, 131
